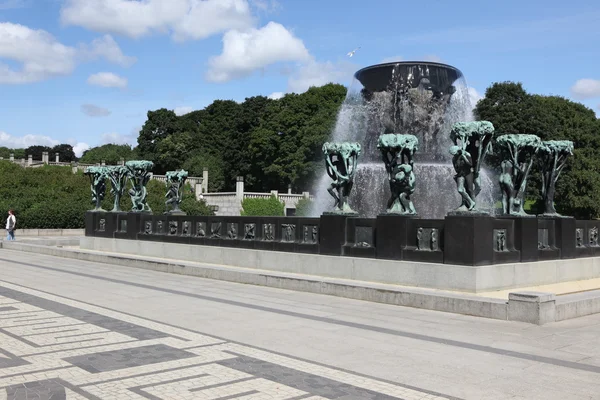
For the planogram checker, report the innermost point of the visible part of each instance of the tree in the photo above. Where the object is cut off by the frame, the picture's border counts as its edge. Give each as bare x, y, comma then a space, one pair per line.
214, 164
512, 110
36, 151
110, 153
271, 143
65, 153
159, 125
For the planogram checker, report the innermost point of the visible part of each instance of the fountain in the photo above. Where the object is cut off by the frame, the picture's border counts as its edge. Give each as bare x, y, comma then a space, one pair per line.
423, 99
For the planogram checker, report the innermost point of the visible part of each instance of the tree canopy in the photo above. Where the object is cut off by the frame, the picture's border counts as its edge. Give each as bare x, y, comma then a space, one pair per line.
272, 143
513, 110
110, 153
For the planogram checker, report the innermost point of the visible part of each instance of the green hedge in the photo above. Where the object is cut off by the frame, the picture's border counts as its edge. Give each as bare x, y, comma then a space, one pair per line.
52, 197
263, 207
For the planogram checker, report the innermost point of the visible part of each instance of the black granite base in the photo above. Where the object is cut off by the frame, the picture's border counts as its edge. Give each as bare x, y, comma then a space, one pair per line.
461, 238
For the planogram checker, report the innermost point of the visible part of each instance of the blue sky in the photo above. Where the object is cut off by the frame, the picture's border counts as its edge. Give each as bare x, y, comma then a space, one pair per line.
87, 71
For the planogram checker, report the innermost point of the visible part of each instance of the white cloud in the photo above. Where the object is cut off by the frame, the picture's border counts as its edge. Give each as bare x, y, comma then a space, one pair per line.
586, 89
40, 54
107, 79
42, 57
19, 142
79, 148
22, 142
276, 95
94, 111
392, 59
207, 17
107, 48
183, 19
266, 5
116, 138
182, 110
246, 51
320, 73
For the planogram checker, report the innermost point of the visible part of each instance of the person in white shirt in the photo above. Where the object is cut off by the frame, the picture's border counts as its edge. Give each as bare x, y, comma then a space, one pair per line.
11, 222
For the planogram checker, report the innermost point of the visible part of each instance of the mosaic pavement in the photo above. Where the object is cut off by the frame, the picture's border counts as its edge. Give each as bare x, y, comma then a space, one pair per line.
54, 348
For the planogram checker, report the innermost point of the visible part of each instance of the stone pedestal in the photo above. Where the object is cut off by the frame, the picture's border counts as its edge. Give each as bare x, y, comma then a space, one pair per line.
532, 307
468, 239
391, 235
332, 234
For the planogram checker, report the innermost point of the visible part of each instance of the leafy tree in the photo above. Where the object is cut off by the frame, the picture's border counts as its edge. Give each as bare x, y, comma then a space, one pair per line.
512, 110
214, 164
36, 152
111, 153
271, 143
159, 125
65, 153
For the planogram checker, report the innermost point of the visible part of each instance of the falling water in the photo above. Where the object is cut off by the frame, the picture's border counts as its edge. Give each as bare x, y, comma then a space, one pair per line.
403, 108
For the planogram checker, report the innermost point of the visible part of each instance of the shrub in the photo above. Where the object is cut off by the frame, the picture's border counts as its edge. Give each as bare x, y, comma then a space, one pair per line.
52, 197
263, 207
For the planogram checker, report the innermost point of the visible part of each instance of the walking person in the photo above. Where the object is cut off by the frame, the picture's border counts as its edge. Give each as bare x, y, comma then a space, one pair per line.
11, 223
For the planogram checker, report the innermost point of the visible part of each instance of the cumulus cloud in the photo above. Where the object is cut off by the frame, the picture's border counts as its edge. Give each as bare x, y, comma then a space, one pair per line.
586, 89
94, 111
106, 47
252, 49
183, 110
276, 95
79, 148
41, 56
21, 142
183, 19
107, 79
320, 73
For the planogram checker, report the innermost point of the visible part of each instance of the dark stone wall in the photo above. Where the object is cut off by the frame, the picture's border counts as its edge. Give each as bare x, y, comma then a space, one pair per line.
458, 239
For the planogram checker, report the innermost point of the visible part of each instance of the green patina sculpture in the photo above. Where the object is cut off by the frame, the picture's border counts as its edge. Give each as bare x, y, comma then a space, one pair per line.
397, 152
175, 182
118, 180
139, 175
472, 142
340, 161
552, 158
98, 177
518, 152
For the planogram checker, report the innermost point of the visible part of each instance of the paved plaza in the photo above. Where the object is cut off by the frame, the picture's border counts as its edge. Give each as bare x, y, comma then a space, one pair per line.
80, 330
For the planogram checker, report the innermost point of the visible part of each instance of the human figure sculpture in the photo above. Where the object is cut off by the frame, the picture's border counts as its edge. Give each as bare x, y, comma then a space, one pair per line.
340, 161
397, 151
139, 175
98, 177
472, 142
518, 153
175, 184
552, 158
118, 181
